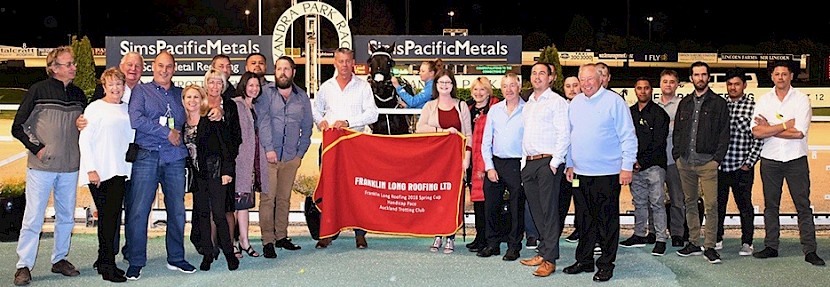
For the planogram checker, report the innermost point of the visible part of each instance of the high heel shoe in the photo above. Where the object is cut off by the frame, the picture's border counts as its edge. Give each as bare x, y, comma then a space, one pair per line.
233, 262
206, 261
250, 250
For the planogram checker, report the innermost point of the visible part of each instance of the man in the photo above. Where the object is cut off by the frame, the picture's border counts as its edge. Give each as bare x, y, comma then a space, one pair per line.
701, 138
782, 118
157, 114
571, 87
255, 63
606, 74
132, 64
600, 159
223, 63
545, 142
738, 168
501, 151
44, 124
669, 100
651, 124
284, 123
345, 101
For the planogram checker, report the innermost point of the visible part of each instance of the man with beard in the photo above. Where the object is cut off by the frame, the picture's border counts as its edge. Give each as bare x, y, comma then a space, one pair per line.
255, 63
284, 121
701, 138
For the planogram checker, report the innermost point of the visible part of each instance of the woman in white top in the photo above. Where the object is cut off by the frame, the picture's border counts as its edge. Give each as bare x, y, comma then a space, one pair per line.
103, 144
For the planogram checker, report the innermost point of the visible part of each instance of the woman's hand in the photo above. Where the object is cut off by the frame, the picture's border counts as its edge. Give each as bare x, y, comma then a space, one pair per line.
94, 178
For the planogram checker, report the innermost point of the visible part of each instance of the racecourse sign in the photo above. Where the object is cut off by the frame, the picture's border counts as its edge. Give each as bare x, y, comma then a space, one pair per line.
460, 49
341, 24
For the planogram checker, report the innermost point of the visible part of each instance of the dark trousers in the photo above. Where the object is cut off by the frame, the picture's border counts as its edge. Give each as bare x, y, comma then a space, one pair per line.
601, 195
510, 180
797, 174
481, 223
566, 190
542, 189
108, 198
740, 182
209, 202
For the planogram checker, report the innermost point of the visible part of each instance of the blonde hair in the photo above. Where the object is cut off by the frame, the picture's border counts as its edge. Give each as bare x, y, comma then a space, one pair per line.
53, 56
484, 82
204, 107
113, 72
214, 73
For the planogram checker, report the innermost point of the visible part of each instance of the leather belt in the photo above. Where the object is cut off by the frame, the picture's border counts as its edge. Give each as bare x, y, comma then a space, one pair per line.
538, 156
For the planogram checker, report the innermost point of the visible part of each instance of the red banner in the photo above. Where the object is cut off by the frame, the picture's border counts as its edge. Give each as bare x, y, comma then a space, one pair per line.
405, 185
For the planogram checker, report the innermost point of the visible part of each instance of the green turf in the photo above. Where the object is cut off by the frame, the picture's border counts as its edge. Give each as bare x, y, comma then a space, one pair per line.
11, 95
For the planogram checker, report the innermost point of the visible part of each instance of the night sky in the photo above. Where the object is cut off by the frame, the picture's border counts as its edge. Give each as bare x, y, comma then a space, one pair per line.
47, 23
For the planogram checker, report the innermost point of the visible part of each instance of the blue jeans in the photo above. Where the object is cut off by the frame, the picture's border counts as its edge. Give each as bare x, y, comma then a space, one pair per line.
39, 185
148, 172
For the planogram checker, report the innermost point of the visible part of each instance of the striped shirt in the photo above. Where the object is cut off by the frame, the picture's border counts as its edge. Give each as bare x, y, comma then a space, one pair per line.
546, 126
744, 148
354, 103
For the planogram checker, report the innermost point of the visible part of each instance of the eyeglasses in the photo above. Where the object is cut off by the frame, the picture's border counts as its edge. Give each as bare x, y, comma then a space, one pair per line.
445, 82
70, 64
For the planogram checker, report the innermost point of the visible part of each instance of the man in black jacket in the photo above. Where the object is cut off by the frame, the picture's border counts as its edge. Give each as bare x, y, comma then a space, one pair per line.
701, 138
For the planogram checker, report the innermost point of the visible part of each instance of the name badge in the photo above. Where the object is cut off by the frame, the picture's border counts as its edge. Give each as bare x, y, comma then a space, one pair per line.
163, 120
575, 182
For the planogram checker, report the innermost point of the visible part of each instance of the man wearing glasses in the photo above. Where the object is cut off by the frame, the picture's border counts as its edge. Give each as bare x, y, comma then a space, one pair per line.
45, 125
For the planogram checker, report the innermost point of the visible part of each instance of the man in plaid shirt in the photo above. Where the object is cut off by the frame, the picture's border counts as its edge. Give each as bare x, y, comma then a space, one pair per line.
737, 171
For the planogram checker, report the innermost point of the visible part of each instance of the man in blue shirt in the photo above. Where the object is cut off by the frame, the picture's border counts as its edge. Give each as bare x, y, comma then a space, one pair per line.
157, 115
600, 159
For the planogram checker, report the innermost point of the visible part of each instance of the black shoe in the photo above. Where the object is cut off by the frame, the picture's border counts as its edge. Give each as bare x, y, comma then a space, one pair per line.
651, 238
477, 247
472, 244
634, 241
690, 250
677, 241
659, 249
206, 261
488, 251
269, 251
110, 273
511, 255
604, 275
532, 243
233, 262
712, 255
286, 244
573, 238
766, 253
22, 277
577, 268
65, 268
813, 258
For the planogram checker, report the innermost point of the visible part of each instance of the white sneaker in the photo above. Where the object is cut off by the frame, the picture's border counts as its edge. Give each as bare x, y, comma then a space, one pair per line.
719, 245
746, 250
436, 244
450, 246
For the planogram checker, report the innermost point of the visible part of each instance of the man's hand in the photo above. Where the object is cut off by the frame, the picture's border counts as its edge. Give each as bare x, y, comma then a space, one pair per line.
215, 114
271, 156
744, 168
81, 122
323, 125
41, 152
569, 174
340, 124
174, 137
226, 179
553, 169
94, 178
625, 177
790, 123
761, 120
493, 175
452, 130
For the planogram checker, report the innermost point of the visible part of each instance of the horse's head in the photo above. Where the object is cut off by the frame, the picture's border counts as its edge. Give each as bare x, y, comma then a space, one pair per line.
381, 62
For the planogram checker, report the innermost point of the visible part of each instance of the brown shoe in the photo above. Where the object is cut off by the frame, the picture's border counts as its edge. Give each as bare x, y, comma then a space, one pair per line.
323, 243
65, 268
22, 277
545, 269
360, 242
534, 261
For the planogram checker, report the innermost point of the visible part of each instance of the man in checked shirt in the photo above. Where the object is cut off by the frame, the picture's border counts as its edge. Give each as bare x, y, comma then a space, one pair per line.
737, 171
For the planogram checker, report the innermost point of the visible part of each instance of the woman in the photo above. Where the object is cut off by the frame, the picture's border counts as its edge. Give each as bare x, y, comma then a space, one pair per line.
214, 169
215, 82
102, 143
483, 99
446, 113
427, 73
251, 159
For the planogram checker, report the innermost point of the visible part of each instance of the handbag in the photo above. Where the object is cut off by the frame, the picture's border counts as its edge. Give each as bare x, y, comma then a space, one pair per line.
132, 151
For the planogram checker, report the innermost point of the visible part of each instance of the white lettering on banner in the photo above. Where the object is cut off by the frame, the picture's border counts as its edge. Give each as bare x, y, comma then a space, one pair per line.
341, 25
457, 48
191, 47
694, 57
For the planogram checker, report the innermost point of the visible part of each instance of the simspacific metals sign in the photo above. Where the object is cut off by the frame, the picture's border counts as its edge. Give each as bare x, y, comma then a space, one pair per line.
459, 49
193, 54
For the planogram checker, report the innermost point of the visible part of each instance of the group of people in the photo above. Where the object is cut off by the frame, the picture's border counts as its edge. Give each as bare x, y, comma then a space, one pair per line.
533, 152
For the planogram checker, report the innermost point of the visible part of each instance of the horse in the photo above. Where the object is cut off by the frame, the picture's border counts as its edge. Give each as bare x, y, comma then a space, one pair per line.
380, 78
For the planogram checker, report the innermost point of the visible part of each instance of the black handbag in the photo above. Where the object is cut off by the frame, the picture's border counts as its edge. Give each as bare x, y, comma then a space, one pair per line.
132, 152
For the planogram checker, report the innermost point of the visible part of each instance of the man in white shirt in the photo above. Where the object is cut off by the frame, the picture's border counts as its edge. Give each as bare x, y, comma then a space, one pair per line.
345, 101
782, 118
